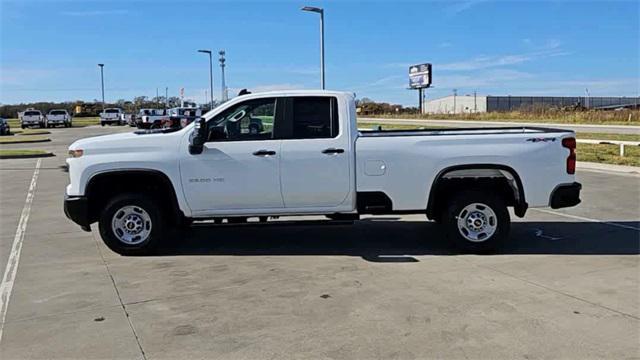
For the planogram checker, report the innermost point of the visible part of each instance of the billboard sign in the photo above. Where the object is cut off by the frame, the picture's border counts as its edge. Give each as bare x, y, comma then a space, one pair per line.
420, 76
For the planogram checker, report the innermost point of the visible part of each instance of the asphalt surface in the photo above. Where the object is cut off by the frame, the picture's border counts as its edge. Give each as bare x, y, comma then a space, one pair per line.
565, 286
609, 129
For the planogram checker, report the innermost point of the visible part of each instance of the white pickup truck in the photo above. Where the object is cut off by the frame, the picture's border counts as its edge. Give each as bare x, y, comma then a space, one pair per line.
112, 116
152, 118
309, 158
58, 117
31, 117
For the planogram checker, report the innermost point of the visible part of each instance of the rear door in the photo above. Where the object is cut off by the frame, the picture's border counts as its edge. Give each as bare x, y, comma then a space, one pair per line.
315, 163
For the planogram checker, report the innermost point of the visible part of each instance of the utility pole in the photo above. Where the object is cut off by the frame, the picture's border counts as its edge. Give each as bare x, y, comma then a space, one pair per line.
587, 99
475, 101
102, 82
321, 12
157, 97
455, 93
223, 94
210, 74
166, 97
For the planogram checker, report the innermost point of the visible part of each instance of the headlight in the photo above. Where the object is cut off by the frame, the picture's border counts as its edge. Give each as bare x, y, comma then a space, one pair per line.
75, 153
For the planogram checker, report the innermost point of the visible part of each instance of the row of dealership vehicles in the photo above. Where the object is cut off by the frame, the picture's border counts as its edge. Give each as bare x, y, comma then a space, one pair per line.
151, 118
309, 158
55, 117
144, 119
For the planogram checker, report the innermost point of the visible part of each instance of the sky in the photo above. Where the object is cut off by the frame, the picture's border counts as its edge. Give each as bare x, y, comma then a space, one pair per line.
49, 50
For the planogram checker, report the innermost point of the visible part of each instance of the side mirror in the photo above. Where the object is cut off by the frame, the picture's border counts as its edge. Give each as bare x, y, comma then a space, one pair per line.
198, 138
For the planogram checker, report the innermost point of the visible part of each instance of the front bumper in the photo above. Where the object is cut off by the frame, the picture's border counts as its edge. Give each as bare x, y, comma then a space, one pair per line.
76, 208
565, 195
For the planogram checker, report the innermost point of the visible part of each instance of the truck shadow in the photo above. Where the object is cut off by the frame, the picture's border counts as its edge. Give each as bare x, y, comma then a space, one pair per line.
379, 240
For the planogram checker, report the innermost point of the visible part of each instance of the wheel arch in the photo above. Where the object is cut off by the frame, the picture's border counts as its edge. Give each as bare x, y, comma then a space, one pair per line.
143, 180
475, 172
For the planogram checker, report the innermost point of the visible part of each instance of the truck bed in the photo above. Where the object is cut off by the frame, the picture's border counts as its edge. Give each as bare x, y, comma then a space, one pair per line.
460, 131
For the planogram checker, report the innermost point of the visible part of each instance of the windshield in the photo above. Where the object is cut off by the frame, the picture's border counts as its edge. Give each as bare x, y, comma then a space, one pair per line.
58, 112
31, 113
112, 111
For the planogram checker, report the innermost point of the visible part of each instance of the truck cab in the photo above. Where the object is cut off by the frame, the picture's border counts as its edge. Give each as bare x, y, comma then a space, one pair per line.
31, 117
58, 117
112, 116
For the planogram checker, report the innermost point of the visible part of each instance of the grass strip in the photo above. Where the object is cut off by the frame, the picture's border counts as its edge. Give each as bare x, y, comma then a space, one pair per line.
23, 153
23, 139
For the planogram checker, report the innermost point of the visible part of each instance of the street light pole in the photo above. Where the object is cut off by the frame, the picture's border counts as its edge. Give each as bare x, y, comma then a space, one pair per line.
210, 75
102, 82
321, 12
223, 94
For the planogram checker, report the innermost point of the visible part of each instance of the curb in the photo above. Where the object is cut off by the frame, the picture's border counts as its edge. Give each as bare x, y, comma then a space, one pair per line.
607, 168
30, 156
25, 141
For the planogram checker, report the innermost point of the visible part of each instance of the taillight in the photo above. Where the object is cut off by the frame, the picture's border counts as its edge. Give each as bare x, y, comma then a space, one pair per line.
570, 143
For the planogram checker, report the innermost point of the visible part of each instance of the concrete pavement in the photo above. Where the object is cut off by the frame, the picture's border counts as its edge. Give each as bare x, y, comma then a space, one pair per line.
566, 286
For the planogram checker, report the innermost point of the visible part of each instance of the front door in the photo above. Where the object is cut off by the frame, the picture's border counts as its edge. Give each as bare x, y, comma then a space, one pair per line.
239, 168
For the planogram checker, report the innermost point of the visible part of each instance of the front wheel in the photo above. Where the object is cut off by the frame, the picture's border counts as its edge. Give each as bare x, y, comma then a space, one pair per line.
132, 224
476, 222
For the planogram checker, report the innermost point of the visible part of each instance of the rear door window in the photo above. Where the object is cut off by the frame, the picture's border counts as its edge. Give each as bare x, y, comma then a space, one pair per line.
314, 117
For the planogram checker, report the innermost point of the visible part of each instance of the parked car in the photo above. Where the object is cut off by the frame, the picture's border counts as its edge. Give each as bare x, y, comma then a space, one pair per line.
31, 117
4, 127
182, 116
310, 158
152, 118
58, 117
111, 116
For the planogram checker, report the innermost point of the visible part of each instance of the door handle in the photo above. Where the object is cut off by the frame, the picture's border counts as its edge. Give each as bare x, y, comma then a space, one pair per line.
264, 153
330, 151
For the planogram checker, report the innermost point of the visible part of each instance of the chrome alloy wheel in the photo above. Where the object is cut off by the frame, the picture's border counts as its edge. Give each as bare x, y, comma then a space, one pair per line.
131, 225
477, 222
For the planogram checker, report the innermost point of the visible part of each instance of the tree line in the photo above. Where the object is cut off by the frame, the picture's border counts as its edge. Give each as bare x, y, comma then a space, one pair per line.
365, 106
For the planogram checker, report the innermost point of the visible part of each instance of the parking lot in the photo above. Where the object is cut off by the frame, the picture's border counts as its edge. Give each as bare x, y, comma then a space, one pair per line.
566, 286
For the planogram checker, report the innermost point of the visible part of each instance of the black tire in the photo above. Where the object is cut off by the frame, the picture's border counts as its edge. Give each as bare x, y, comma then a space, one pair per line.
156, 226
485, 241
101, 123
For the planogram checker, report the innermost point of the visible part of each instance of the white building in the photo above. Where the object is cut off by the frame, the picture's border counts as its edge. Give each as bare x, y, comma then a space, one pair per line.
456, 104
460, 104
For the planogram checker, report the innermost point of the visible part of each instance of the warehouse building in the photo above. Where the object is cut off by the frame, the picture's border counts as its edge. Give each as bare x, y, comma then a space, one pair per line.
475, 103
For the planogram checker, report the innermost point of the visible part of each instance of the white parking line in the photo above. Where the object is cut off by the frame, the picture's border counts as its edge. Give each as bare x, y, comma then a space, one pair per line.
14, 257
588, 219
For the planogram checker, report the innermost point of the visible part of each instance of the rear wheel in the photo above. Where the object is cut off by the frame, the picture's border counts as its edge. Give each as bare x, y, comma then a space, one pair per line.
476, 222
132, 224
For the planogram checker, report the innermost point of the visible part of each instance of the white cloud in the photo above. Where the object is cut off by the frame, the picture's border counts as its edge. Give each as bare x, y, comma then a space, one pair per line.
94, 12
460, 6
484, 62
